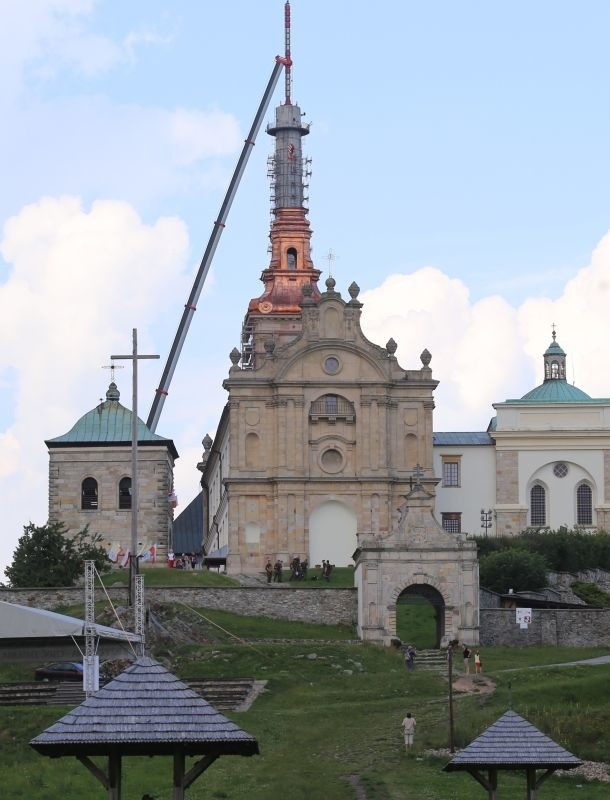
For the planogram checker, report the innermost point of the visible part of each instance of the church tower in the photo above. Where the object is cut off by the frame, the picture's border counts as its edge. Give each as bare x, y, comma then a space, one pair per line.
323, 431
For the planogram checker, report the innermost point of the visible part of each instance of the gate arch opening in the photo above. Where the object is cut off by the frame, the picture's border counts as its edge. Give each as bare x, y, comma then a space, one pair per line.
420, 616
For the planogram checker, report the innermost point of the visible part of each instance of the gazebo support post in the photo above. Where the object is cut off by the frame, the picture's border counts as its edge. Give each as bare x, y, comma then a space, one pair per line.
114, 776
178, 783
489, 784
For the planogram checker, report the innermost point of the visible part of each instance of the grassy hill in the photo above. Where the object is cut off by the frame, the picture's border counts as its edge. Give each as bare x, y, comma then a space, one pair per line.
331, 717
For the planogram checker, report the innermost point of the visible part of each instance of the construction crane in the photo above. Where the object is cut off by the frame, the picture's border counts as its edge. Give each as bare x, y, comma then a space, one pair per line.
218, 227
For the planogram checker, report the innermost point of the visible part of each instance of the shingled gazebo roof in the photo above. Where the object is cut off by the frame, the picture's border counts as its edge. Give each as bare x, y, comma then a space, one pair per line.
144, 711
513, 743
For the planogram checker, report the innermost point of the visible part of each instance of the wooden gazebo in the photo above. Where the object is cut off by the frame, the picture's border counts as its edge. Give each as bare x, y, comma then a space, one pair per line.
145, 711
512, 743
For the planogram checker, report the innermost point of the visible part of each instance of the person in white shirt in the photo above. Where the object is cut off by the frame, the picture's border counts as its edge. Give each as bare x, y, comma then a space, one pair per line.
408, 725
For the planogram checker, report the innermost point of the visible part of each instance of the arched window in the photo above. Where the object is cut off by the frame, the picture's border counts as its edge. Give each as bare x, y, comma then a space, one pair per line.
292, 258
88, 494
125, 494
332, 407
554, 369
537, 505
584, 505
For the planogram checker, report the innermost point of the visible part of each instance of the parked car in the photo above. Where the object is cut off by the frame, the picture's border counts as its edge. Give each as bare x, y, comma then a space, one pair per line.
60, 671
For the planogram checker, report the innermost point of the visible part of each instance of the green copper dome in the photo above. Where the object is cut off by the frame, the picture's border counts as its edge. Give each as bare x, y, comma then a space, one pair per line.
556, 391
109, 423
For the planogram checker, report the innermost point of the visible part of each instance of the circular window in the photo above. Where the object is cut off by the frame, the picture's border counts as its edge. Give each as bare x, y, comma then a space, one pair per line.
560, 470
331, 460
332, 365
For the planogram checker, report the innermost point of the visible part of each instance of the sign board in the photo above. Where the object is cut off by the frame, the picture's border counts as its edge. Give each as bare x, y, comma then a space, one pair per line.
524, 617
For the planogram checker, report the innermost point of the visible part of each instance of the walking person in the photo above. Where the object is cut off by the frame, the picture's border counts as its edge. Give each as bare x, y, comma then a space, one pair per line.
408, 726
478, 664
466, 657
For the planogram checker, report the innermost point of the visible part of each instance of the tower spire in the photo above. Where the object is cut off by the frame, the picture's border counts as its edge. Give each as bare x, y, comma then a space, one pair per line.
291, 267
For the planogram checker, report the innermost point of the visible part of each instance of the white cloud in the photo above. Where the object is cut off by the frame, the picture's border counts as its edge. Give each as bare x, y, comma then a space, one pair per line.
80, 280
199, 134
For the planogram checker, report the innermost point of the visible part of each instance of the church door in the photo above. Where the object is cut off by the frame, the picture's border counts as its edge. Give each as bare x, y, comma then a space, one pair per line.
332, 534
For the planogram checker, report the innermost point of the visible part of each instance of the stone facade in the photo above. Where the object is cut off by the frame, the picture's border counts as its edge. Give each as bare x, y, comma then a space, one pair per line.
418, 557
68, 467
320, 439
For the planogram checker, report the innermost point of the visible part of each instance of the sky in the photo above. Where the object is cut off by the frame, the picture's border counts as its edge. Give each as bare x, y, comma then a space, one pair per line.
460, 173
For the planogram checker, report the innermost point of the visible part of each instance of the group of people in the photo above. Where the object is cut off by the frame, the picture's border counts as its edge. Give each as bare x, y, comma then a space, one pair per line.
184, 561
298, 570
478, 664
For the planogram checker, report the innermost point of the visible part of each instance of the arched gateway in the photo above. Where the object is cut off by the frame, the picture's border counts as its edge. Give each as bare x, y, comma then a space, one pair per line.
418, 557
415, 594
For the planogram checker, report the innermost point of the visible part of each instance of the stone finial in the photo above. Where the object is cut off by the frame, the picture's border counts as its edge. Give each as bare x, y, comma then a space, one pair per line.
391, 346
113, 393
207, 442
354, 290
269, 346
235, 356
307, 290
331, 283
426, 358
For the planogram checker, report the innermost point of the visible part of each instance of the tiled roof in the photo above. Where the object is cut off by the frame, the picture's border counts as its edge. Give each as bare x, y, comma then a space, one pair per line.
187, 530
462, 438
512, 742
145, 710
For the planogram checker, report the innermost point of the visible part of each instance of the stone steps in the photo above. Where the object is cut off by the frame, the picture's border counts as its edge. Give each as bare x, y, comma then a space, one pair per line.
225, 694
435, 660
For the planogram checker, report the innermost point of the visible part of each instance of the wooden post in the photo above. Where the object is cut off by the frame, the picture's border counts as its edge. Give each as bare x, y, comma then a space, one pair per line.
178, 787
493, 784
114, 776
531, 783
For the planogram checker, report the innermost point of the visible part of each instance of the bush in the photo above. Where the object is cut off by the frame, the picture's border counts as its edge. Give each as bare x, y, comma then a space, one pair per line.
46, 556
563, 550
591, 593
514, 569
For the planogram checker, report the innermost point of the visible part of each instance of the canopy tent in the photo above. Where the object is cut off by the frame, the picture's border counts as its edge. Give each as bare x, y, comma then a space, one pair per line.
23, 622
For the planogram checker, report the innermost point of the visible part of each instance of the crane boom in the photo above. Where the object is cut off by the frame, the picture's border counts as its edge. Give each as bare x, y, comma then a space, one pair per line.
219, 224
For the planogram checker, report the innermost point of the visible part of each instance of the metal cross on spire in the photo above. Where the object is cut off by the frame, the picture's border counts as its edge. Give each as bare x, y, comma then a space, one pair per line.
418, 474
112, 368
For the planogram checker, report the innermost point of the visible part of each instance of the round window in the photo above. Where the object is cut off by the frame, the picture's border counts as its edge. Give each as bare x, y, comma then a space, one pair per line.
332, 365
560, 470
331, 460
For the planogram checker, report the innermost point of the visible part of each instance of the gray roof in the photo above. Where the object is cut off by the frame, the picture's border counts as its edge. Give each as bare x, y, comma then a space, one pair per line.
145, 710
467, 438
513, 743
187, 529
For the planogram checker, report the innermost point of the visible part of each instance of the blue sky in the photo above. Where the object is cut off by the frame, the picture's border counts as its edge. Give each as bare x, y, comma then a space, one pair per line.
460, 174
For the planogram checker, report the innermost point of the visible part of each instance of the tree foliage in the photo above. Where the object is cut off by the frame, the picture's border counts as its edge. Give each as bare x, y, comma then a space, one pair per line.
563, 550
47, 556
514, 569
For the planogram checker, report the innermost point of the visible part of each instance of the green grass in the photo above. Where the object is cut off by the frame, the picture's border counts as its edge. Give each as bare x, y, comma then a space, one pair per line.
416, 622
164, 576
338, 713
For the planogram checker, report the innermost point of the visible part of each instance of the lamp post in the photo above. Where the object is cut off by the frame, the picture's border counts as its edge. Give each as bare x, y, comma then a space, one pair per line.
486, 519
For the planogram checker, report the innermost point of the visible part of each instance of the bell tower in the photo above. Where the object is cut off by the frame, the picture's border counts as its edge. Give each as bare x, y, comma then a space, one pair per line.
275, 315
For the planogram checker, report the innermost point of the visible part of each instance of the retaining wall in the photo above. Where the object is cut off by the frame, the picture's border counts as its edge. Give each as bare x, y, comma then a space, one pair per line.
559, 627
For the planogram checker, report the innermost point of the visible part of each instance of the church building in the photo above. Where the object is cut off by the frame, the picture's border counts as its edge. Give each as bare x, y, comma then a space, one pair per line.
543, 463
323, 430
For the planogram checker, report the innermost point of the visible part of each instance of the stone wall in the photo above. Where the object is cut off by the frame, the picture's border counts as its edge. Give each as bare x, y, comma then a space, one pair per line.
326, 606
558, 627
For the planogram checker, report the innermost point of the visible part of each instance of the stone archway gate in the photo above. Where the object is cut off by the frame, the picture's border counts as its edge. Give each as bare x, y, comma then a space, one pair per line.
418, 552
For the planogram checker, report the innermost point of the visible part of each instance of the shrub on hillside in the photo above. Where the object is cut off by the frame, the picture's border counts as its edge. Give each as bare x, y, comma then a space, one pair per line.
47, 556
562, 550
591, 593
513, 569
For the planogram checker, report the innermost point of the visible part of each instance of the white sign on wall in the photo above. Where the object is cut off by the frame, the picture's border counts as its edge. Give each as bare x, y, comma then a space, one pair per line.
524, 617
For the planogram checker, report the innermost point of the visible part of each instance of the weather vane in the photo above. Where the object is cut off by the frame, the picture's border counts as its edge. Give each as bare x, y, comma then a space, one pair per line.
330, 257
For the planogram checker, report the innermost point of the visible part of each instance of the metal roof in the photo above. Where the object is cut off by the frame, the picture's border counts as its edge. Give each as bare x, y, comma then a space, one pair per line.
23, 622
467, 438
109, 423
556, 391
145, 710
187, 529
513, 743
